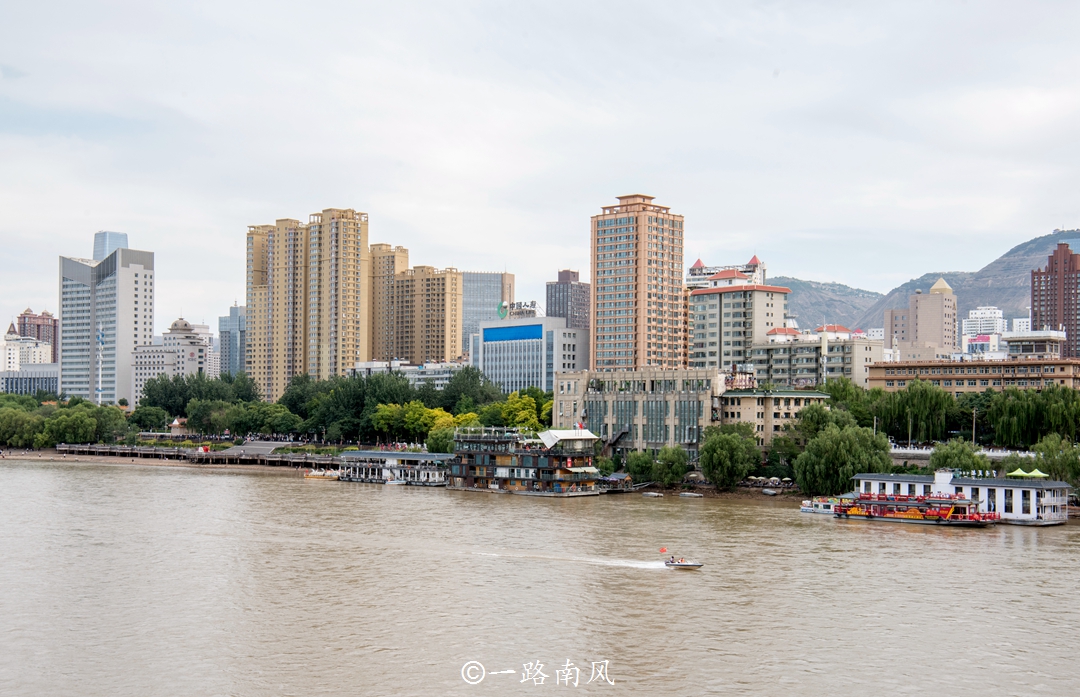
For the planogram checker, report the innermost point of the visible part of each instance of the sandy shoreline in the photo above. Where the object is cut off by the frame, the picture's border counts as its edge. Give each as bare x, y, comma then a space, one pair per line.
52, 456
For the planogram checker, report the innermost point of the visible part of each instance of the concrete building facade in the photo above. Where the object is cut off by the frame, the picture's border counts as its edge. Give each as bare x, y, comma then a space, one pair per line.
426, 306
978, 375
31, 378
985, 320
183, 352
308, 298
43, 327
17, 351
768, 413
527, 352
928, 328
568, 297
638, 317
730, 315
105, 243
106, 311
387, 262
791, 358
1055, 297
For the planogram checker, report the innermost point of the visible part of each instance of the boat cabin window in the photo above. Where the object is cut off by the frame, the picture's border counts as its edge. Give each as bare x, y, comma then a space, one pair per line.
926, 489
958, 490
866, 487
974, 492
991, 500
896, 488
1025, 501
1008, 500
911, 489
881, 487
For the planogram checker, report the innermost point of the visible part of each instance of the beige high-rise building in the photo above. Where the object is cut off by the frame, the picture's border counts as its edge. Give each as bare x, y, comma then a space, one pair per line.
928, 328
637, 286
386, 263
427, 311
309, 292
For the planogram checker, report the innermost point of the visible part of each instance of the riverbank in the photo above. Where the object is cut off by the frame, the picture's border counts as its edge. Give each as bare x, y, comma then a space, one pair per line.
51, 455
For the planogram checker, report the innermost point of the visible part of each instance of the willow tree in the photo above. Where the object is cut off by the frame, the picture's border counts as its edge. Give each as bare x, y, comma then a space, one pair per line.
920, 409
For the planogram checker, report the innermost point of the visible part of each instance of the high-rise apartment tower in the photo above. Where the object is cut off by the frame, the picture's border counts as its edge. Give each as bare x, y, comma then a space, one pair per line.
568, 297
43, 327
309, 288
637, 286
1055, 297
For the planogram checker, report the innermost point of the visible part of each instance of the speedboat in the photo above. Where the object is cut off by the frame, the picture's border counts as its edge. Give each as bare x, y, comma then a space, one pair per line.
682, 564
653, 495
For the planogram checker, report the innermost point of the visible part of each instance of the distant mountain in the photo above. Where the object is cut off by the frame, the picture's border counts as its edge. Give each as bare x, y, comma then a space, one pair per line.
811, 302
1004, 283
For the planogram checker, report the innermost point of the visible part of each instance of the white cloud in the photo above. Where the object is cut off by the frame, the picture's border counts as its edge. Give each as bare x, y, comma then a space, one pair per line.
860, 144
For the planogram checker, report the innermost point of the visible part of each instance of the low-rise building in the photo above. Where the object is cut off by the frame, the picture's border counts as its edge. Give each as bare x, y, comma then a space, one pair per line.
645, 409
31, 378
977, 375
767, 412
437, 374
791, 358
1046, 344
182, 352
527, 352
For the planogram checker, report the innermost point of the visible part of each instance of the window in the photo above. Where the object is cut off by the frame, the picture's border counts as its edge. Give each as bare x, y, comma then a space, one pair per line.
911, 489
1025, 502
991, 500
926, 490
1008, 500
881, 487
896, 488
866, 487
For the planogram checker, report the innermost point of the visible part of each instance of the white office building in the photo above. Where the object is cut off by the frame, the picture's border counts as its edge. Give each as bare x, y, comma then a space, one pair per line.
436, 374
527, 352
106, 311
985, 320
1021, 325
17, 351
182, 352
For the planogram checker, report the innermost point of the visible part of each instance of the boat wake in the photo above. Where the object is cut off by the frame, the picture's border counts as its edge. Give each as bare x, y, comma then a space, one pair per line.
598, 561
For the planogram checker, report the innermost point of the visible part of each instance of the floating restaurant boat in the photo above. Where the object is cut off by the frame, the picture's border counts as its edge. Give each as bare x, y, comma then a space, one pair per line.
935, 509
1020, 498
326, 475
556, 463
394, 467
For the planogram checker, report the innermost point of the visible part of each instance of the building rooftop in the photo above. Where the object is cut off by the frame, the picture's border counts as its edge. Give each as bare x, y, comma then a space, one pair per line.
833, 328
941, 287
783, 330
740, 288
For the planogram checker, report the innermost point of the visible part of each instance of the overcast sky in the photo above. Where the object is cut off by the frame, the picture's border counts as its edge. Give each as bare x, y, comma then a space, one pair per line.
864, 143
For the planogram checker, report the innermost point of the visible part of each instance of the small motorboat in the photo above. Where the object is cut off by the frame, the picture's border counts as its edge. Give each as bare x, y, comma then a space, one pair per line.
683, 564
396, 481
769, 492
653, 494
691, 495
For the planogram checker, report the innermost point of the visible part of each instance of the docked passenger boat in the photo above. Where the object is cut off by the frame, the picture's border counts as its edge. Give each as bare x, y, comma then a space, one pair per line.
327, 475
933, 509
394, 467
819, 504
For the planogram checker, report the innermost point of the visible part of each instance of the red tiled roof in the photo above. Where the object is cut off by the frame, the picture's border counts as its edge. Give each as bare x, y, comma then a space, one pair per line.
833, 328
754, 261
727, 273
748, 286
697, 264
783, 330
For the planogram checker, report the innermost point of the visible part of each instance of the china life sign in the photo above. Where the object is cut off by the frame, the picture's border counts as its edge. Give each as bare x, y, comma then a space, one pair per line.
519, 309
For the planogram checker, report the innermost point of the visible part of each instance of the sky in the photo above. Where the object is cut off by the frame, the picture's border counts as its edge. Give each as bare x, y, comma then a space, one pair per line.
861, 143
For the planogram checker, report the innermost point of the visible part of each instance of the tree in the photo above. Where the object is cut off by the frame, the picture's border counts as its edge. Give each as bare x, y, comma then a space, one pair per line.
1058, 457
726, 458
492, 415
111, 424
958, 454
640, 466
921, 406
670, 466
780, 461
441, 440
814, 418
468, 389
388, 419
836, 455
208, 415
606, 465
149, 418
739, 428
67, 426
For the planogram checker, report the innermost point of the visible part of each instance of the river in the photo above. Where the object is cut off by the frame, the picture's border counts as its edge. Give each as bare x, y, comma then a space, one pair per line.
133, 580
